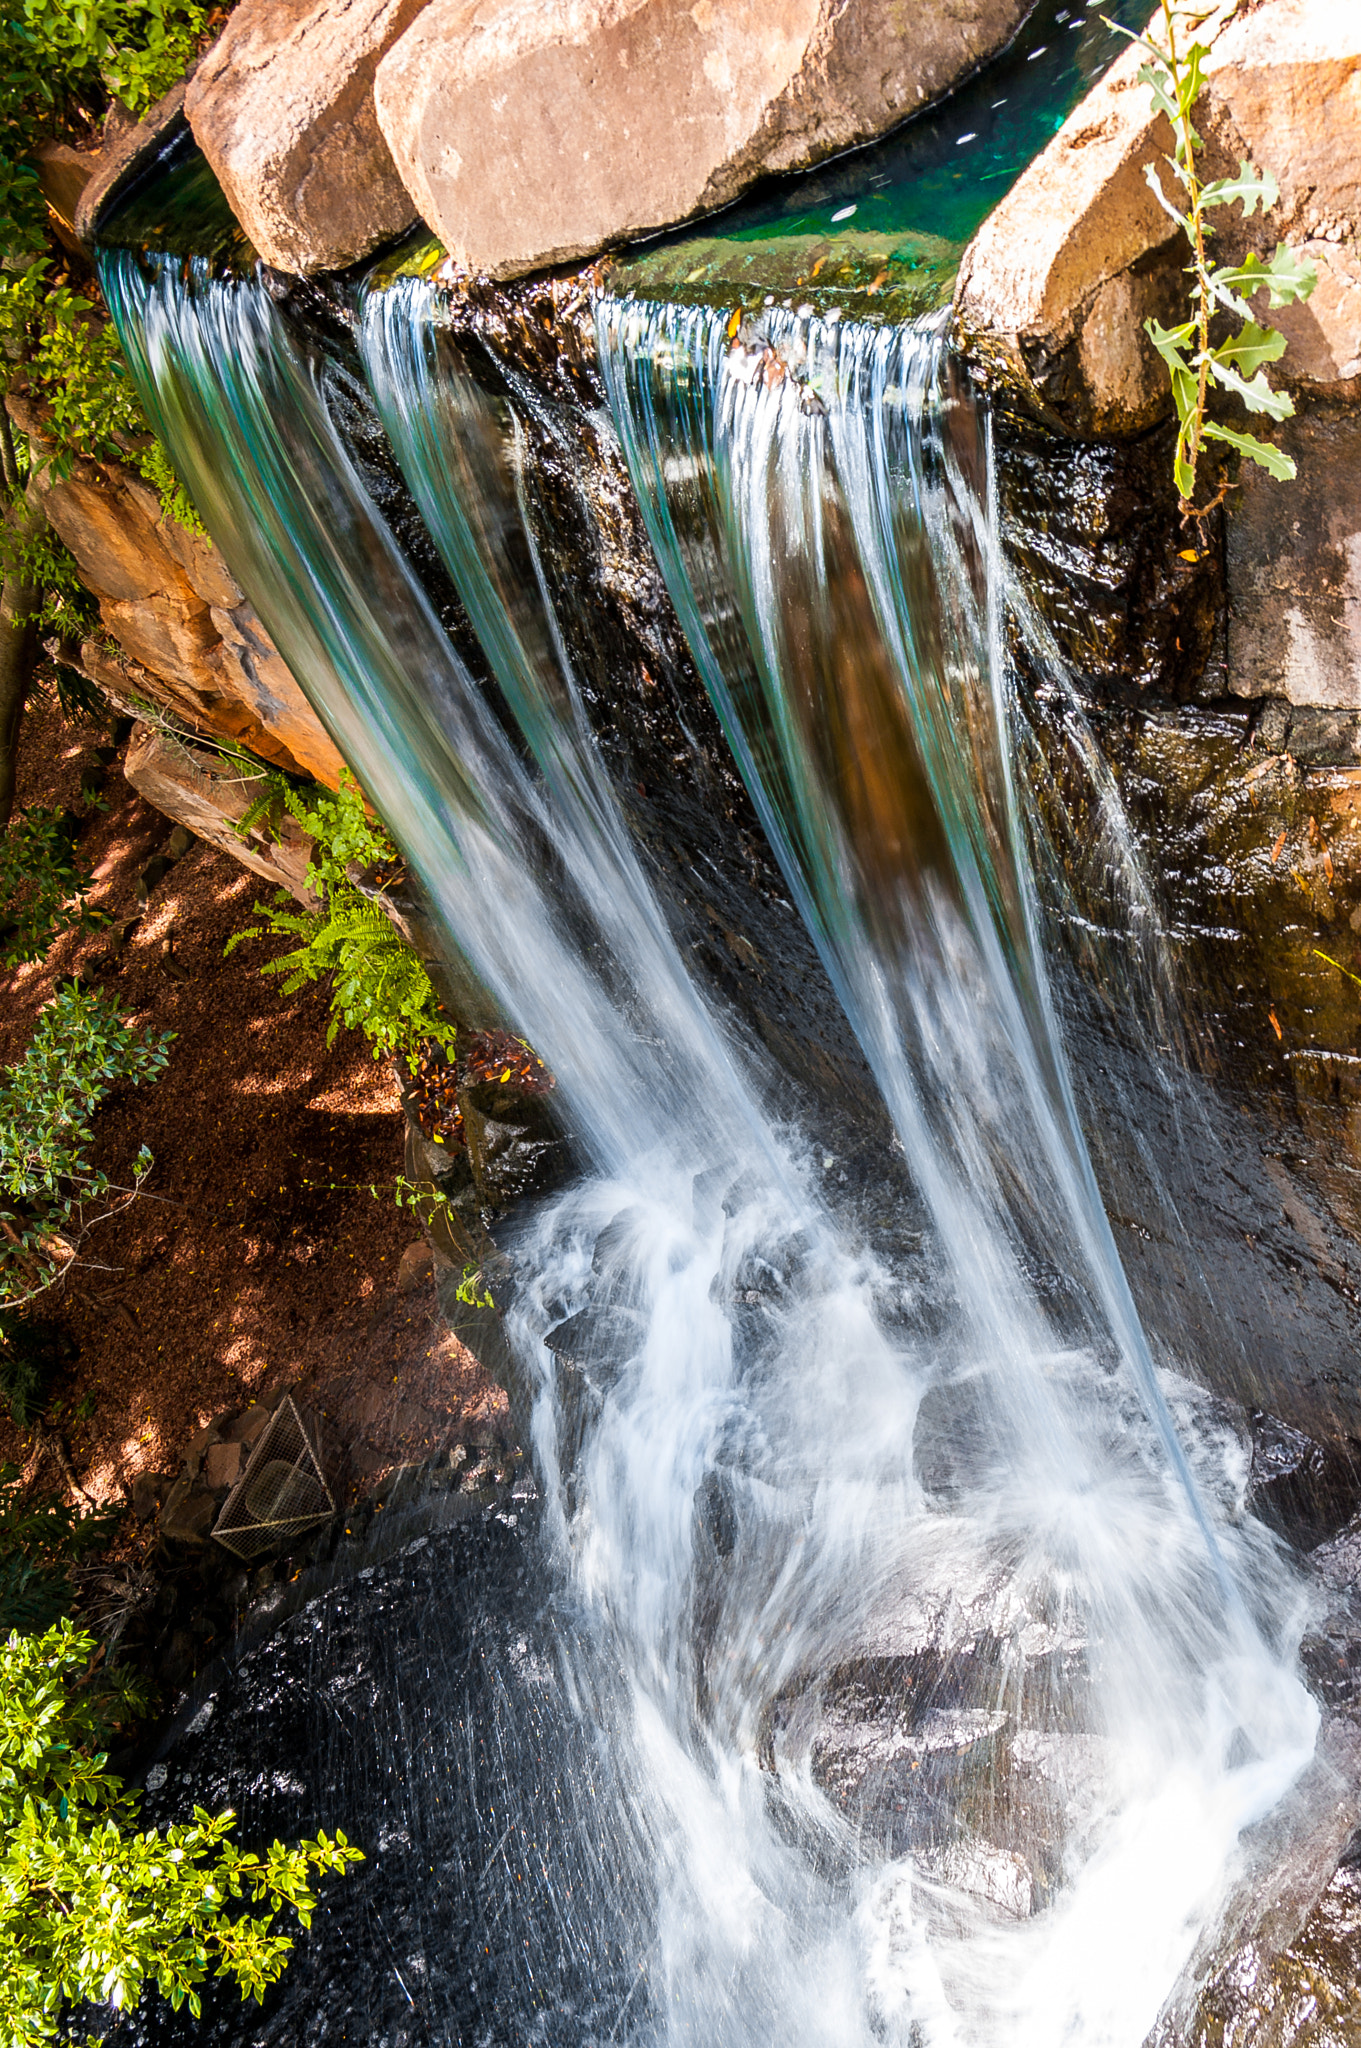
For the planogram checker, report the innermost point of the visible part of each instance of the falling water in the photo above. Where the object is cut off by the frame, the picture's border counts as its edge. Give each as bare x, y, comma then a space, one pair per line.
936, 1681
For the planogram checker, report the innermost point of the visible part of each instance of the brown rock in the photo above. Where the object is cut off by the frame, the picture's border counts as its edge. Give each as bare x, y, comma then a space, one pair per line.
64, 173
198, 1445
415, 1268
249, 1426
222, 1465
206, 793
282, 107
1059, 280
253, 672
188, 1515
108, 518
1294, 570
169, 634
126, 146
539, 133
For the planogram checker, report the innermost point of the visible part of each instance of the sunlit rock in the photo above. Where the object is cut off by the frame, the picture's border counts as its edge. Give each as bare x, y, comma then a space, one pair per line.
282, 107
206, 792
535, 135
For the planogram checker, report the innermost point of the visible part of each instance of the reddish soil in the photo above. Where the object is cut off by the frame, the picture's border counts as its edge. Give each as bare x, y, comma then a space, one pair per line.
257, 1261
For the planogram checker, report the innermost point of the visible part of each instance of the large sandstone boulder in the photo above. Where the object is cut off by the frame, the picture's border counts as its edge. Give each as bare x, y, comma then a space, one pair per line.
1061, 277
539, 133
282, 107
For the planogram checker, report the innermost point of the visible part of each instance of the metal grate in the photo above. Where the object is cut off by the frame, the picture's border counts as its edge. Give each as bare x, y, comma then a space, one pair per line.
281, 1493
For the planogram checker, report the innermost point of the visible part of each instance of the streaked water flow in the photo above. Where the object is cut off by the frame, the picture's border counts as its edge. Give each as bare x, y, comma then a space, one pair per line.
937, 1681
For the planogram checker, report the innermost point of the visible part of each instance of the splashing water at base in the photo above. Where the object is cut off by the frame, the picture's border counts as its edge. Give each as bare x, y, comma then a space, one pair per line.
935, 1687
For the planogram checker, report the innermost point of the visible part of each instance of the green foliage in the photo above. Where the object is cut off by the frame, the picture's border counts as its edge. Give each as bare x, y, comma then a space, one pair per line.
378, 984
62, 62
51, 1195
30, 1351
176, 502
91, 1908
41, 1542
469, 1290
43, 887
1176, 78
61, 59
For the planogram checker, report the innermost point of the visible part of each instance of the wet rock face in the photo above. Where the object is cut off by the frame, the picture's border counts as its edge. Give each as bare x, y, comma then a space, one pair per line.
539, 134
282, 107
491, 1905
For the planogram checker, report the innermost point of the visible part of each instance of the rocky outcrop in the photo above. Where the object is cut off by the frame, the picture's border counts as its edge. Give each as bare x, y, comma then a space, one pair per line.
1060, 279
207, 793
282, 107
538, 134
190, 641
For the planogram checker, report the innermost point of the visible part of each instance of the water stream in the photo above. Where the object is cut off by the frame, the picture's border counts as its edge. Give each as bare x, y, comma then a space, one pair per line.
931, 1668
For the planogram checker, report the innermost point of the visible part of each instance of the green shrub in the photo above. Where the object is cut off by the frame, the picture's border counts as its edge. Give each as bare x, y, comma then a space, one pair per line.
42, 1540
62, 64
91, 1908
378, 984
51, 1196
43, 887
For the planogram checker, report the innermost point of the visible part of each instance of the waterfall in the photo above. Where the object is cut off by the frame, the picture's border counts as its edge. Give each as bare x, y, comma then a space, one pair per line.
936, 1674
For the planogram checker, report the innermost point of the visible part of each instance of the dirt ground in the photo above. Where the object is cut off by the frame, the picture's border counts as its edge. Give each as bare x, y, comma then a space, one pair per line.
256, 1261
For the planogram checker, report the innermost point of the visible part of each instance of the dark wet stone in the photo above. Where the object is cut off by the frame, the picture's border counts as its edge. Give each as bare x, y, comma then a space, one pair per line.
599, 1340
1305, 1489
495, 1905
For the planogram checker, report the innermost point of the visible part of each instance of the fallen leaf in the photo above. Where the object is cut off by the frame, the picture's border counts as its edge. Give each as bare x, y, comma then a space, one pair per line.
1327, 864
1188, 555
1275, 1024
734, 321
1276, 849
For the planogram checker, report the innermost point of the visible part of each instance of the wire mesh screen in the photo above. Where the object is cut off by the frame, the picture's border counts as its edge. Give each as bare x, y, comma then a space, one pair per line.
282, 1492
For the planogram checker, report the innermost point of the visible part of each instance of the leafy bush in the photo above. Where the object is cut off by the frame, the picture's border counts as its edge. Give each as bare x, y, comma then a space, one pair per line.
31, 1352
1176, 79
43, 887
91, 1909
378, 984
62, 63
61, 59
51, 1196
42, 1541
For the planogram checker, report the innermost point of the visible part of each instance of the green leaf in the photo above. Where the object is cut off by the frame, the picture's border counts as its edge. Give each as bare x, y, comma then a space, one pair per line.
1160, 84
1288, 277
1171, 342
1154, 183
1261, 452
1251, 186
1250, 348
1257, 395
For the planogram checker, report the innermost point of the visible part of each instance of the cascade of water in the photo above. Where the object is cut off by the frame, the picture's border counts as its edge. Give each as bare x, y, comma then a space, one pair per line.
926, 1719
